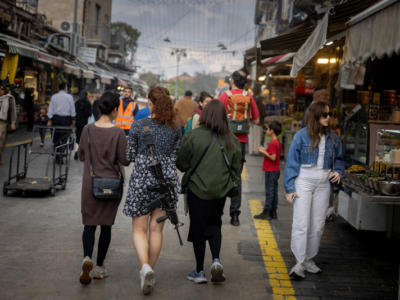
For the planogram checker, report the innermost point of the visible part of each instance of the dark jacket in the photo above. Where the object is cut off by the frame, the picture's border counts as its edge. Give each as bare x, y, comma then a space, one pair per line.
211, 179
83, 110
303, 121
96, 112
262, 110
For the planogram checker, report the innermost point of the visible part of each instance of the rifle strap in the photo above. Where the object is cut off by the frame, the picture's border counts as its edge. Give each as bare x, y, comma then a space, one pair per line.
148, 138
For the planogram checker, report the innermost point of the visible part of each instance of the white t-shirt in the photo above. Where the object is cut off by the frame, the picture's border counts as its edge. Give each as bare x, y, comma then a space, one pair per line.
321, 153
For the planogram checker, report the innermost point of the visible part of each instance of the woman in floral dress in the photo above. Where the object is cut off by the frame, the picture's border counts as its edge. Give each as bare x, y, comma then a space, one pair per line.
167, 140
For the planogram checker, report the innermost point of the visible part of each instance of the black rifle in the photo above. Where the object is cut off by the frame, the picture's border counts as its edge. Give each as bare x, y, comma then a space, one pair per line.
163, 189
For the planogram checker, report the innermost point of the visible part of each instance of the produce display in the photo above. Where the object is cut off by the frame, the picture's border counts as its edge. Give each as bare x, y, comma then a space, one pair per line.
355, 168
383, 165
371, 175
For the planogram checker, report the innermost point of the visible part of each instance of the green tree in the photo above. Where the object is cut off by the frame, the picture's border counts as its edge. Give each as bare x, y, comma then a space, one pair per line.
183, 86
150, 78
130, 34
204, 82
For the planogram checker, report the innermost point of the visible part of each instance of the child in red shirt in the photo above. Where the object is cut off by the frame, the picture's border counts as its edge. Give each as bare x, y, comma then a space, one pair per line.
272, 172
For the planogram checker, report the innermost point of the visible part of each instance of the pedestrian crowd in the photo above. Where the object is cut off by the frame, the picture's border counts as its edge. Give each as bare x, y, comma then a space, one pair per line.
205, 139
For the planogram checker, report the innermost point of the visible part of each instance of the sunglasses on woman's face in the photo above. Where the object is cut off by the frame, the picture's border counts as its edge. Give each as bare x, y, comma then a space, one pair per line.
325, 115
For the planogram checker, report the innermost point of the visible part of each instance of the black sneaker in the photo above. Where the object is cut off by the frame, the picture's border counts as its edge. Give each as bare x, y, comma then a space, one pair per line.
273, 214
265, 215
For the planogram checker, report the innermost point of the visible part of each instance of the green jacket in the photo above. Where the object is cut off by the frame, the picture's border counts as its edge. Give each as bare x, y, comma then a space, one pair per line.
211, 179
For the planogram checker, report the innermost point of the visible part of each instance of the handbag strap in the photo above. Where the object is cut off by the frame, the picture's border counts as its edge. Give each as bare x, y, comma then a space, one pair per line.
90, 159
333, 155
201, 158
226, 159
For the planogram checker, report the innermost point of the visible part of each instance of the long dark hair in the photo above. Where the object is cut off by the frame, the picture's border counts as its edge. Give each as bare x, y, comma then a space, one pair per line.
4, 87
203, 97
163, 110
314, 127
214, 117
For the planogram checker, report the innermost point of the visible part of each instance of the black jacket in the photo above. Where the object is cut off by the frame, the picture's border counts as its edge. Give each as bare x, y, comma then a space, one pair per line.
83, 110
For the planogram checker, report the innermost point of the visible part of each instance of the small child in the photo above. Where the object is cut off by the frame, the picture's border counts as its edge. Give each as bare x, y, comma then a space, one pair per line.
272, 172
42, 119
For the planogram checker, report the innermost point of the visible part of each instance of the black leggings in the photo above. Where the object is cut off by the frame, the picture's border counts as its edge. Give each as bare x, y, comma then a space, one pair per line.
200, 251
104, 242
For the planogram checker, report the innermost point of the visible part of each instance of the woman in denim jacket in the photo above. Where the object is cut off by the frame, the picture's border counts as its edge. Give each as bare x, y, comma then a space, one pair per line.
307, 180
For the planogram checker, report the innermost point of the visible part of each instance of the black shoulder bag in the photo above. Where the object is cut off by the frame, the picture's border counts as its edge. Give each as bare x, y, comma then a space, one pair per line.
185, 188
234, 192
105, 188
336, 187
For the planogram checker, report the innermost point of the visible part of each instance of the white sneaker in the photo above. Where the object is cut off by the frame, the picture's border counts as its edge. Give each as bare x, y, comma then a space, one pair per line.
99, 272
147, 279
87, 267
217, 271
311, 267
298, 271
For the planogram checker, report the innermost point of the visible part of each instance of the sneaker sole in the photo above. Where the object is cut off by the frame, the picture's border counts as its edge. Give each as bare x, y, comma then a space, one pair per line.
296, 276
148, 286
85, 278
313, 272
98, 276
217, 273
196, 280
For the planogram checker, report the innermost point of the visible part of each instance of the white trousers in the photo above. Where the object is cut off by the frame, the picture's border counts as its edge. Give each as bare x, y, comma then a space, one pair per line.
309, 212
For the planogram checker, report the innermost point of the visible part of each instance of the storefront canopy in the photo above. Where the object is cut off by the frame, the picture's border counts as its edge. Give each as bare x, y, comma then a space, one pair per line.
20, 48
88, 74
372, 34
122, 83
104, 78
70, 69
279, 59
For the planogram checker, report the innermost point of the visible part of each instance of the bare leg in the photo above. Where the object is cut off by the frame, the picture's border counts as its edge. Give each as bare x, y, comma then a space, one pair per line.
140, 226
156, 236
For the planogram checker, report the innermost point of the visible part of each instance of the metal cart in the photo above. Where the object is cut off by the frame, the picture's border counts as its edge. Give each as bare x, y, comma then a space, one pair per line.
55, 159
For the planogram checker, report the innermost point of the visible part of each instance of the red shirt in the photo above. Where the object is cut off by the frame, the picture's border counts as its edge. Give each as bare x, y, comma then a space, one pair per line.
274, 147
254, 111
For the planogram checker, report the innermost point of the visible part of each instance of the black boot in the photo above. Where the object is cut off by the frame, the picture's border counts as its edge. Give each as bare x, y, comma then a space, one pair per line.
76, 155
265, 215
273, 214
235, 218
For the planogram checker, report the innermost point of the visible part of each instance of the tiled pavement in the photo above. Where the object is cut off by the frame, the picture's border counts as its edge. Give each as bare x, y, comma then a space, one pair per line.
355, 265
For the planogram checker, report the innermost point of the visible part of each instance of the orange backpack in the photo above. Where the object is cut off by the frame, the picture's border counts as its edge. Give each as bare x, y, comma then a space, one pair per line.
239, 108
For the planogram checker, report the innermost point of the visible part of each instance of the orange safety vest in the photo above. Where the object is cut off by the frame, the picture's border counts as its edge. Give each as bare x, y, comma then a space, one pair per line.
125, 118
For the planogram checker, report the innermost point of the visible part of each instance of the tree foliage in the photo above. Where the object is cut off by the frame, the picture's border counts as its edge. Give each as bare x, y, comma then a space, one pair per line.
202, 82
150, 78
130, 34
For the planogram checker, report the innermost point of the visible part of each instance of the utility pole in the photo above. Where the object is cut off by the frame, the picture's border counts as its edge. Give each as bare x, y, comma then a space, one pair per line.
178, 53
74, 31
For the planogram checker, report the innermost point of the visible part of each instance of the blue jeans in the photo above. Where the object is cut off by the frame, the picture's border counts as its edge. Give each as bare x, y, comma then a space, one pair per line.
271, 189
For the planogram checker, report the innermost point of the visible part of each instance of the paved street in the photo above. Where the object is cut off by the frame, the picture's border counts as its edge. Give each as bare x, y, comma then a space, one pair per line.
41, 252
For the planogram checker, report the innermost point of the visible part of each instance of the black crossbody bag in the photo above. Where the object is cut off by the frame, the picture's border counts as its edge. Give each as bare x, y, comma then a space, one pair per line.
105, 188
234, 192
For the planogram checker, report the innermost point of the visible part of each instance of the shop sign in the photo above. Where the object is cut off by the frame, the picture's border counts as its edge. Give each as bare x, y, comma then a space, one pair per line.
88, 54
6, 16
305, 91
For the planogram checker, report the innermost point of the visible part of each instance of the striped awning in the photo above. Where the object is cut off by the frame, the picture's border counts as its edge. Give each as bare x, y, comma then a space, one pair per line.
283, 58
21, 49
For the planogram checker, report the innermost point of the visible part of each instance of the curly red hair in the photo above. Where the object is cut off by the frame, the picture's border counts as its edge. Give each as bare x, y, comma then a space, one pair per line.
163, 110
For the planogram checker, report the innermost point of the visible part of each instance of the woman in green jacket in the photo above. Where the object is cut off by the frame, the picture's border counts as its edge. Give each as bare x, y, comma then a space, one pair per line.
209, 184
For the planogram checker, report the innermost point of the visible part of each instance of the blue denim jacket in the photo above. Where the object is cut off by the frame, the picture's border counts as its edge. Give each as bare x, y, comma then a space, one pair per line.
300, 154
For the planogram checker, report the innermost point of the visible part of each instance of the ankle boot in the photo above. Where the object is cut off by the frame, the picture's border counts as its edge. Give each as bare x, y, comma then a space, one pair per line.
235, 218
265, 215
273, 214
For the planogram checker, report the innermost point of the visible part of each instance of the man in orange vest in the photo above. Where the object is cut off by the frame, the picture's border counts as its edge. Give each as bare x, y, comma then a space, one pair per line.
127, 111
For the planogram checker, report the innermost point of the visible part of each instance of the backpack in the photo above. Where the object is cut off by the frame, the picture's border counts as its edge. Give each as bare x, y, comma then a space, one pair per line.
239, 108
189, 125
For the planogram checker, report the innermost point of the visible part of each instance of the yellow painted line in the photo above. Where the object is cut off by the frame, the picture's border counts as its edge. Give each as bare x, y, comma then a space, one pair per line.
244, 173
26, 141
276, 268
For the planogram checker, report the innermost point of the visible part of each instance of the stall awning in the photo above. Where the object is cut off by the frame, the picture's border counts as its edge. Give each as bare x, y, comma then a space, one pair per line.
283, 58
88, 74
70, 69
122, 83
106, 79
375, 36
54, 61
81, 64
22, 49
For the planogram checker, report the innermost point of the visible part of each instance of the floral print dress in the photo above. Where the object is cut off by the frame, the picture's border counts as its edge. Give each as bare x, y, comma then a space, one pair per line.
167, 142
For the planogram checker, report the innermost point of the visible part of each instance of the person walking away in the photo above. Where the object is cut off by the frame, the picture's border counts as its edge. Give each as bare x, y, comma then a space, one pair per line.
107, 150
320, 95
7, 114
83, 110
95, 105
272, 172
196, 98
127, 111
29, 103
208, 184
184, 109
166, 138
314, 161
236, 84
42, 119
256, 131
61, 113
193, 122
